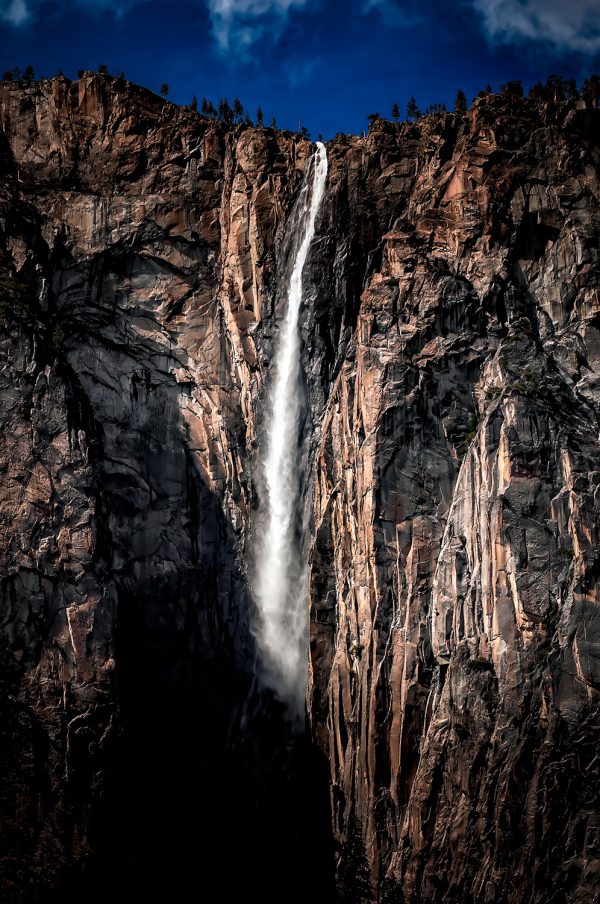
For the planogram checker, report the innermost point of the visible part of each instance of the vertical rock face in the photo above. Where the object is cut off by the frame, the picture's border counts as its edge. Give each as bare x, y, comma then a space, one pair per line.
454, 614
451, 347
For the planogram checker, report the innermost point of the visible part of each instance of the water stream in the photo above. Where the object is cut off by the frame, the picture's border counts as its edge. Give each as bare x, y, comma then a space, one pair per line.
280, 586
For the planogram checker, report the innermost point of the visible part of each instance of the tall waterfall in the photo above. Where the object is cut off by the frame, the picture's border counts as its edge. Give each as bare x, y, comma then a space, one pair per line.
280, 586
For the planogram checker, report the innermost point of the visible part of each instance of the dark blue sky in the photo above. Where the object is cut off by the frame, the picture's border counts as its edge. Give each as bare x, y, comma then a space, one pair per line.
325, 63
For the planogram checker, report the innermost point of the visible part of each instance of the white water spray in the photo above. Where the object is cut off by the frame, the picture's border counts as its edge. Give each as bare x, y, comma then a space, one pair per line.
281, 575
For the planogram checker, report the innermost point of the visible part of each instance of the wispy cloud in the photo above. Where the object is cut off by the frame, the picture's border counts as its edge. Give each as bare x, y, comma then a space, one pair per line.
567, 25
15, 12
397, 13
21, 12
298, 70
240, 23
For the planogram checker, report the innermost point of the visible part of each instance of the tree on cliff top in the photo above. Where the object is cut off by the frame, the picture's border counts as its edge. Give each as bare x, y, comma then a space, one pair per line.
591, 90
238, 110
460, 102
259, 117
412, 111
514, 88
164, 90
28, 74
395, 112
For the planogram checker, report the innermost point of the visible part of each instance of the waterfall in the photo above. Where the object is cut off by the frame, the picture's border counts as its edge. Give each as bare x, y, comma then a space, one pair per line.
280, 585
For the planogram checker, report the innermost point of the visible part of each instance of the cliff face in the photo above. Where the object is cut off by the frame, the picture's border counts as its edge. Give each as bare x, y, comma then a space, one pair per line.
452, 360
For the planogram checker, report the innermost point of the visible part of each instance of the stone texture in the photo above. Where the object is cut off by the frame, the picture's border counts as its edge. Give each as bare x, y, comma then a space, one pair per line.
452, 354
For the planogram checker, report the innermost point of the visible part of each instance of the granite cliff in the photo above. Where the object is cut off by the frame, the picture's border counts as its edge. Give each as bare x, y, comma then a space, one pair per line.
451, 352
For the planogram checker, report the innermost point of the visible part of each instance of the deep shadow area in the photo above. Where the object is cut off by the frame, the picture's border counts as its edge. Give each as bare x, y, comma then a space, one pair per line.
196, 808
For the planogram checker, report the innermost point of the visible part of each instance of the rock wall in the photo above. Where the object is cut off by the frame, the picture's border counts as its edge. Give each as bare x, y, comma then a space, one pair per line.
454, 574
452, 355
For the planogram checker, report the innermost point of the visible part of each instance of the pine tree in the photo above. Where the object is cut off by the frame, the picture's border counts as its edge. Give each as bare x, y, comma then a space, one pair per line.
354, 877
555, 88
412, 111
103, 69
164, 90
259, 117
395, 112
373, 117
435, 108
204, 107
591, 90
210, 109
273, 123
460, 102
514, 88
248, 121
238, 110
194, 104
225, 111
28, 74
536, 92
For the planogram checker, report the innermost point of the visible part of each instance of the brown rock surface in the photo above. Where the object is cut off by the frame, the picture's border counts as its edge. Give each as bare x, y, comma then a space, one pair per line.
452, 355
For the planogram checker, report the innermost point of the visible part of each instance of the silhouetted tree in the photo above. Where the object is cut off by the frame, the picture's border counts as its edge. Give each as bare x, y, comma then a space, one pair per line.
259, 117
122, 75
7, 75
273, 123
556, 87
80, 73
514, 88
435, 108
395, 112
572, 89
488, 89
210, 109
164, 90
103, 69
225, 111
248, 120
591, 90
412, 110
305, 132
238, 110
354, 877
194, 104
28, 74
537, 92
460, 102
373, 117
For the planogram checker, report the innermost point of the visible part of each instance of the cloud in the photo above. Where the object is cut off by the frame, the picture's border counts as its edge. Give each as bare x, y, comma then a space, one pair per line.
240, 23
298, 71
567, 25
395, 14
20, 12
15, 12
